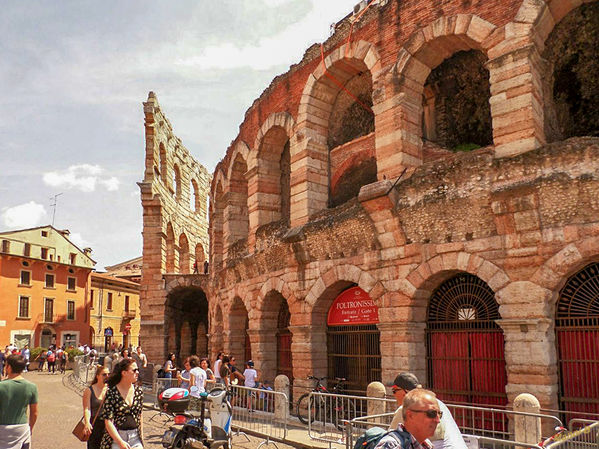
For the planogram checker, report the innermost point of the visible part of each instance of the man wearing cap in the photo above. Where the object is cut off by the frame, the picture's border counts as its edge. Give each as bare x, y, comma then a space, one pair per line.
250, 378
421, 415
447, 434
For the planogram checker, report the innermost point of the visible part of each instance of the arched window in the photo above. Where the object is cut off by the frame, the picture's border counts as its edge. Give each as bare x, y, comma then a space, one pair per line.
177, 182
194, 203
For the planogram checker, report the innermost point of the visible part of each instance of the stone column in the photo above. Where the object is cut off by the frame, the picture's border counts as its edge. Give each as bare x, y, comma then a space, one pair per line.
527, 429
403, 348
264, 343
531, 361
309, 349
515, 75
282, 405
375, 390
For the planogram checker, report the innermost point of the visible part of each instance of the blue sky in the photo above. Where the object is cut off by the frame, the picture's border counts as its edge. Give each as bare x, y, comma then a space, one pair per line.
73, 75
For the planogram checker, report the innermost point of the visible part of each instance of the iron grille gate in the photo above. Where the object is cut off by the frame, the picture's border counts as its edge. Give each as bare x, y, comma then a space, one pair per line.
577, 332
465, 347
354, 353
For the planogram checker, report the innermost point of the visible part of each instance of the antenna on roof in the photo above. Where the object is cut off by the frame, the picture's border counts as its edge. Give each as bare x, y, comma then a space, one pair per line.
53, 205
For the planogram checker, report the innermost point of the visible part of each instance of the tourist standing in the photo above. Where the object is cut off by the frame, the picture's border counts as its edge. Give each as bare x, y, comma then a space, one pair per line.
26, 353
140, 358
16, 395
217, 364
197, 381
92, 400
51, 357
185, 376
169, 366
250, 376
122, 408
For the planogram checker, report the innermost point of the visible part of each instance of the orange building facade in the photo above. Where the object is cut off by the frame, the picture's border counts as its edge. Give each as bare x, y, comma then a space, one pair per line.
44, 280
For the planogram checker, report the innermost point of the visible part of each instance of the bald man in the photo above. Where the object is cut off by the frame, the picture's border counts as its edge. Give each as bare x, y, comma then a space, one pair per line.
421, 414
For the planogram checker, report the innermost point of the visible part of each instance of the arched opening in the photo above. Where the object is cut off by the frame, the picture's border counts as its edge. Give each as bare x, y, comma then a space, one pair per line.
184, 256
274, 171
572, 80
200, 257
171, 263
577, 332
239, 345
194, 198
351, 181
216, 228
351, 119
236, 212
456, 109
274, 326
177, 182
465, 346
186, 312
163, 165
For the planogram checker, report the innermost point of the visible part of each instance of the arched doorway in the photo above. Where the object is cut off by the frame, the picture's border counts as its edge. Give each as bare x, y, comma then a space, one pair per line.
47, 337
284, 357
353, 340
186, 311
465, 346
239, 340
577, 332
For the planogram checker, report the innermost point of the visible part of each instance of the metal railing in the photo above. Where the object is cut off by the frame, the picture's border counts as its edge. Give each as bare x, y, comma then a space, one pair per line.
260, 412
327, 414
584, 438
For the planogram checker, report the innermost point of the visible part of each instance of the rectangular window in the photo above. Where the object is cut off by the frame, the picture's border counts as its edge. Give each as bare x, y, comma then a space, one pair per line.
49, 281
91, 299
25, 278
109, 301
44, 253
126, 303
73, 258
23, 307
70, 310
48, 310
71, 283
44, 233
5, 246
27, 249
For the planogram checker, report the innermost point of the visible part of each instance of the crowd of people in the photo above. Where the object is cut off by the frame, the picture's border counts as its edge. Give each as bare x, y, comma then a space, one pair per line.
113, 402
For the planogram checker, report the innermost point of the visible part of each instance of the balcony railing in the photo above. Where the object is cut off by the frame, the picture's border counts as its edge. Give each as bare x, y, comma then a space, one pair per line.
129, 314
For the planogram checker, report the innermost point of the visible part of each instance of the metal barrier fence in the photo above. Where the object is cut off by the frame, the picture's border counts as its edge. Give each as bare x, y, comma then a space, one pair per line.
328, 414
584, 438
260, 411
83, 369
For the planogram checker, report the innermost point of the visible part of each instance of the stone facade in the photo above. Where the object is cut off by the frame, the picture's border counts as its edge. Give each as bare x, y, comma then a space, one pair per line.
174, 195
520, 214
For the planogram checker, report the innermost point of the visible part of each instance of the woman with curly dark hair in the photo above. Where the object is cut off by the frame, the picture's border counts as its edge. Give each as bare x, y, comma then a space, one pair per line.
122, 408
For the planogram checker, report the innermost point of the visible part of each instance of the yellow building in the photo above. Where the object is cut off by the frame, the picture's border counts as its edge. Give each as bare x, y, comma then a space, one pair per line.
114, 311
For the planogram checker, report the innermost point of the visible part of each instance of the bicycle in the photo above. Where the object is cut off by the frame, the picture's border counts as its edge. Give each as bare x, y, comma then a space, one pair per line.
326, 408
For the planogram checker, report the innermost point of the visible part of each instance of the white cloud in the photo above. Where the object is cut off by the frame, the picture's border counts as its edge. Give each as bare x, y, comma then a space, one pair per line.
286, 47
83, 177
27, 215
78, 240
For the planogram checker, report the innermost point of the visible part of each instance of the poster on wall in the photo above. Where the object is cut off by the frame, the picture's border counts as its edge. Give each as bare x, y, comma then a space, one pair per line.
353, 307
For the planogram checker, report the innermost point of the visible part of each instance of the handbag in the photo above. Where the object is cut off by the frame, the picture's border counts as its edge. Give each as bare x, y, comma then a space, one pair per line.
79, 430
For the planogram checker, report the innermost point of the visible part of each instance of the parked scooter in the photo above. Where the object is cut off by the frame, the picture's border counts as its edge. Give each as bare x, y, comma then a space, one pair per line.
191, 431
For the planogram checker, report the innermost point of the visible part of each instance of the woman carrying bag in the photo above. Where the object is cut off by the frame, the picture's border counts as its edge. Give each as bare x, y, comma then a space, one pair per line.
93, 398
122, 408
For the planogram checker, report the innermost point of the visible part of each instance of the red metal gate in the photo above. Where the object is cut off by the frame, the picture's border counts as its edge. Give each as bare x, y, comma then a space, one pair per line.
577, 329
466, 362
284, 360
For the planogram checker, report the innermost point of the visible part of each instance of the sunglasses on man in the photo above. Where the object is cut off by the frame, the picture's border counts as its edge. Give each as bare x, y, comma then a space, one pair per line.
432, 414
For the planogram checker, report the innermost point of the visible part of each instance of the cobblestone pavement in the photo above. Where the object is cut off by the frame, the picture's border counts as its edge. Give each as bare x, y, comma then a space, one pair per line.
60, 409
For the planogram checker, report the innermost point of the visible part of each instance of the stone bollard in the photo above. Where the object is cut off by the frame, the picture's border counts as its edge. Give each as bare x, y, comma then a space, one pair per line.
376, 390
527, 429
282, 405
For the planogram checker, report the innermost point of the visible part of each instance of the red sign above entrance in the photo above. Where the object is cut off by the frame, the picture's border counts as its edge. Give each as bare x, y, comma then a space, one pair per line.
353, 307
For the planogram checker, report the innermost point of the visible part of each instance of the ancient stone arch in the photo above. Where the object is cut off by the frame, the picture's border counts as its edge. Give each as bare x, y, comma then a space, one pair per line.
310, 174
184, 255
217, 208
269, 173
235, 225
422, 52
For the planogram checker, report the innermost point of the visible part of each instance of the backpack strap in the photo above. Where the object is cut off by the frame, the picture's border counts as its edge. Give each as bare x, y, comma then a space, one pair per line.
402, 437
